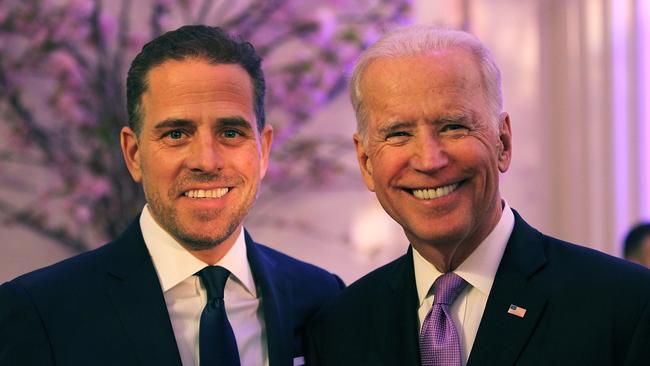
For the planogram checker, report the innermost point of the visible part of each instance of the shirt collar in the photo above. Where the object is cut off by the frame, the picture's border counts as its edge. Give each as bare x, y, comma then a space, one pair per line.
479, 268
174, 263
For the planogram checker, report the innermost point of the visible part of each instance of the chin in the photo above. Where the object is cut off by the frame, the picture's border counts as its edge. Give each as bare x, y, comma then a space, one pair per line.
200, 242
448, 235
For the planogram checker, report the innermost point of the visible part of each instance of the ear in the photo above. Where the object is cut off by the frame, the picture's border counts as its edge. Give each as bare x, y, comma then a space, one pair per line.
131, 153
266, 140
505, 142
365, 165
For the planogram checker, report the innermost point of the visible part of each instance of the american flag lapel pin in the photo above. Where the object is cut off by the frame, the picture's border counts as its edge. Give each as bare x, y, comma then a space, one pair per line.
516, 310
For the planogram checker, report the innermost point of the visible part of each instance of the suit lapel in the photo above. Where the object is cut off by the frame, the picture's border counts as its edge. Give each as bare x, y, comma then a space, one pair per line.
519, 281
396, 326
136, 294
276, 300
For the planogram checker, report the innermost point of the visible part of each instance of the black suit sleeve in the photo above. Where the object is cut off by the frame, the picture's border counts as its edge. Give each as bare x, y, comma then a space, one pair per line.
23, 339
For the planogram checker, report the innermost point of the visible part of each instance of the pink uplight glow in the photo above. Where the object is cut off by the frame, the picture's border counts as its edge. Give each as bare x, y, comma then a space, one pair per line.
643, 44
620, 117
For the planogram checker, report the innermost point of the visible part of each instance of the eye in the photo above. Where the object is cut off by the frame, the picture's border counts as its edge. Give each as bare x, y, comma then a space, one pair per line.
454, 130
174, 134
231, 134
453, 127
397, 135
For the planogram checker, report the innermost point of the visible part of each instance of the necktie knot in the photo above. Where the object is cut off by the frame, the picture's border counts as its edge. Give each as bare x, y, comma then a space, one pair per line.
447, 287
214, 279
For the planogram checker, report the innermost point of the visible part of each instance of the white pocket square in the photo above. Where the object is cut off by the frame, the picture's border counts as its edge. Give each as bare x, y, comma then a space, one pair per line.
298, 361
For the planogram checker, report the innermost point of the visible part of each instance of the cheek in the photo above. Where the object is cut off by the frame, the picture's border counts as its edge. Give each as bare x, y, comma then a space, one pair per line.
160, 170
387, 165
249, 163
478, 150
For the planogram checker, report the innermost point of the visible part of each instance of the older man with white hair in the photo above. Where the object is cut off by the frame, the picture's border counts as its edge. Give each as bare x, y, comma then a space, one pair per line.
478, 285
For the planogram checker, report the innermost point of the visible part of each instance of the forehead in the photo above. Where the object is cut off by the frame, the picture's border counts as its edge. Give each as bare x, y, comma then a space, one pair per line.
438, 82
195, 85
198, 73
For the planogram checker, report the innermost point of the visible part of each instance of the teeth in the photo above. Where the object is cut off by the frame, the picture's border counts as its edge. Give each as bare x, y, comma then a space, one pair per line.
206, 193
431, 193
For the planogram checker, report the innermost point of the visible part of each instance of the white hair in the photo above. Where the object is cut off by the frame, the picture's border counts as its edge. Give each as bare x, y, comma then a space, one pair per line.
421, 41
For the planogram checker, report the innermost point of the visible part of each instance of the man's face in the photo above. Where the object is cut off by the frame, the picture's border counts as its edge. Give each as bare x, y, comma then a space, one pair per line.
199, 155
433, 152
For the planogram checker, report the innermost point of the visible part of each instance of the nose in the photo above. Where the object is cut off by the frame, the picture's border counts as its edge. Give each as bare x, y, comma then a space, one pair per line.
429, 154
205, 155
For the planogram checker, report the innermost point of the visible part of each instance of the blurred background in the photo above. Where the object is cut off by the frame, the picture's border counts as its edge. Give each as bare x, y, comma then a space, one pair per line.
576, 81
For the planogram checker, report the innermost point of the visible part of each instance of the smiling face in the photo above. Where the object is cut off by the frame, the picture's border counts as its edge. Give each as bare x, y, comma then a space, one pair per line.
199, 156
432, 152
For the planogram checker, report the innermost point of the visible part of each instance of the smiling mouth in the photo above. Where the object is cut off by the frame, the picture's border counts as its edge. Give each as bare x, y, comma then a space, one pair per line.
206, 193
432, 193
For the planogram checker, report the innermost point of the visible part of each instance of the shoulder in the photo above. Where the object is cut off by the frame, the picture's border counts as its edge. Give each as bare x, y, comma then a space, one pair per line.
296, 270
306, 287
526, 241
579, 262
68, 271
576, 269
82, 270
377, 281
369, 291
32, 302
353, 322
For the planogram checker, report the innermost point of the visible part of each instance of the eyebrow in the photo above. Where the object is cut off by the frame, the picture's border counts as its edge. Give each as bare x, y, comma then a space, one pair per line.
232, 121
394, 126
452, 119
172, 123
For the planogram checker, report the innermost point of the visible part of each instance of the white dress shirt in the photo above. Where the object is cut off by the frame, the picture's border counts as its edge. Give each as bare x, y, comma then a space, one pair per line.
478, 270
185, 296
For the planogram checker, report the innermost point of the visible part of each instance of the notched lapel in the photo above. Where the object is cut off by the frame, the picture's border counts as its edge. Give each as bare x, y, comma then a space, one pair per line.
136, 294
520, 281
276, 304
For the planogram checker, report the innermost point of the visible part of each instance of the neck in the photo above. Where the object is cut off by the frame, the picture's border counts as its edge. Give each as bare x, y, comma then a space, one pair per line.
446, 254
445, 257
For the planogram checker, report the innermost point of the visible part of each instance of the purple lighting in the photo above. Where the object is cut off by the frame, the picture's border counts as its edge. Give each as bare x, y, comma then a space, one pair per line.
620, 118
643, 41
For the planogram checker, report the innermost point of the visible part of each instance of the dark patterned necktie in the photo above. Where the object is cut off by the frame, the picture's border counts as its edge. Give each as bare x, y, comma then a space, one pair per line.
217, 343
439, 341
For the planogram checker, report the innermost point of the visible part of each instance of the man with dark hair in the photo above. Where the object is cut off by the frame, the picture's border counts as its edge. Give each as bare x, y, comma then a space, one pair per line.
210, 44
477, 285
185, 283
637, 244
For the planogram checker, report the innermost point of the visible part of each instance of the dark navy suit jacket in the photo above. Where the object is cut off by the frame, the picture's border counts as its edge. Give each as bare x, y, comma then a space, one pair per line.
106, 307
582, 308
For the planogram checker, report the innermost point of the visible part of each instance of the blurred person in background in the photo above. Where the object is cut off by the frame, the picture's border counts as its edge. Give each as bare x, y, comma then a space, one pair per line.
477, 285
637, 244
197, 141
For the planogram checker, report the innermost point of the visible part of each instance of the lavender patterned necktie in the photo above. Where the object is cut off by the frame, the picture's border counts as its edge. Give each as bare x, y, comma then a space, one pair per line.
439, 341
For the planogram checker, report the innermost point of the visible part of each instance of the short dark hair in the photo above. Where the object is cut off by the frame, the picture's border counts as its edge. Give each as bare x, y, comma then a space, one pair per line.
634, 239
211, 44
